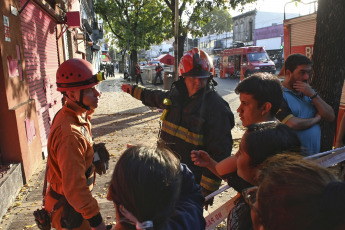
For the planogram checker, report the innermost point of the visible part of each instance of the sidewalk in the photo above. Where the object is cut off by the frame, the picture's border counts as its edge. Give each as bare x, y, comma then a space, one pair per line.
119, 120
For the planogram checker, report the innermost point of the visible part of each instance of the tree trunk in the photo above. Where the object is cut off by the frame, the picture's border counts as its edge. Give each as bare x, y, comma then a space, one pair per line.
181, 41
133, 59
123, 59
329, 61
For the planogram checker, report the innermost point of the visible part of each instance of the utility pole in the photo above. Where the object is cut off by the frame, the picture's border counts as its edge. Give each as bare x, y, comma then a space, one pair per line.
176, 40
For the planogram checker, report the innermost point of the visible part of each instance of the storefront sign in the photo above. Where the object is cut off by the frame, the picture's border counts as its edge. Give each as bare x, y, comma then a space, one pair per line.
7, 29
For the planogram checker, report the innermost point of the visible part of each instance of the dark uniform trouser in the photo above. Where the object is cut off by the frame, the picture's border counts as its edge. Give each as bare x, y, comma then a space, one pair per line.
137, 77
160, 77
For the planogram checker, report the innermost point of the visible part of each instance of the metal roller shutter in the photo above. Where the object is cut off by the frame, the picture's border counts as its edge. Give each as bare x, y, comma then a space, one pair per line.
41, 62
303, 33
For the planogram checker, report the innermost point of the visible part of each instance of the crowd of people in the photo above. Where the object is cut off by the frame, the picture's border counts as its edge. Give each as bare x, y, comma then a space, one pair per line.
109, 69
163, 186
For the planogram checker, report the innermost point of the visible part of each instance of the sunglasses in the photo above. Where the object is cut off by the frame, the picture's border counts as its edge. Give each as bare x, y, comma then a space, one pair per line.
249, 195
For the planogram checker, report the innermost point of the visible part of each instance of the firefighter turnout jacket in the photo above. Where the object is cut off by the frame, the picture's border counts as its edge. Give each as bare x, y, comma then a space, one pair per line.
70, 156
200, 122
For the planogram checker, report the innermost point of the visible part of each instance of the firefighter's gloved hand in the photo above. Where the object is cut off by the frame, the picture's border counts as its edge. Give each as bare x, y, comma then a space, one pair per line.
127, 88
100, 168
101, 158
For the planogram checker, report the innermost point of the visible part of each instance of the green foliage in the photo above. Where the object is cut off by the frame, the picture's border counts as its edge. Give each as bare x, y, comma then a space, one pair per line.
137, 24
196, 14
134, 24
235, 3
219, 21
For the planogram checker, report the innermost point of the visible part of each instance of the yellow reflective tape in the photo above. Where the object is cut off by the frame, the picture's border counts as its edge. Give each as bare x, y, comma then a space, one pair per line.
164, 114
190, 137
182, 133
287, 118
209, 184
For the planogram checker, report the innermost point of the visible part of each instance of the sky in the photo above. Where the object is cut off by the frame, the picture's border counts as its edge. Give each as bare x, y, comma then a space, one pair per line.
276, 6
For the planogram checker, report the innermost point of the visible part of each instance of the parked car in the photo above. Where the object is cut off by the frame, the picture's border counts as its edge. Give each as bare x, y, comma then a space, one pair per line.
154, 63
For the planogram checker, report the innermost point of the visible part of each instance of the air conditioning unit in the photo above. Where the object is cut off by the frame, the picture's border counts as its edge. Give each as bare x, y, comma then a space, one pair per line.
73, 19
80, 36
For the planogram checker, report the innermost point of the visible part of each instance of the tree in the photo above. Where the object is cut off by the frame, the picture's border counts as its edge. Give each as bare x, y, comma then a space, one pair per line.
191, 18
220, 21
328, 60
134, 24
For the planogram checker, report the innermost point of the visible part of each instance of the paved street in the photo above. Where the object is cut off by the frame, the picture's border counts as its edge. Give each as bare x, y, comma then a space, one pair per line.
119, 120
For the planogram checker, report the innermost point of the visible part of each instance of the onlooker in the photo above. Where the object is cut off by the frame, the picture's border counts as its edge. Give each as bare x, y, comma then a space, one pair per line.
138, 74
303, 108
340, 142
152, 190
159, 70
70, 171
261, 96
195, 116
298, 194
260, 141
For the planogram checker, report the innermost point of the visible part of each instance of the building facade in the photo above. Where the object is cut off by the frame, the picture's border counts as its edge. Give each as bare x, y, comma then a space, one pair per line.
261, 28
38, 36
243, 27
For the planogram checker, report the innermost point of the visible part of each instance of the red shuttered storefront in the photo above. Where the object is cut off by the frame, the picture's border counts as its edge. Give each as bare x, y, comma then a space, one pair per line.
41, 61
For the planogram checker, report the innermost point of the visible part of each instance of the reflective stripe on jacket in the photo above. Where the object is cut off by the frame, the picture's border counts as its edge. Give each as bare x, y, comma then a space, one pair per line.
203, 122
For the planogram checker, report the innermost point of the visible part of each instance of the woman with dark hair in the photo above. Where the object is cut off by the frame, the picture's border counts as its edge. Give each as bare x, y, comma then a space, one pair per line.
260, 141
152, 190
296, 194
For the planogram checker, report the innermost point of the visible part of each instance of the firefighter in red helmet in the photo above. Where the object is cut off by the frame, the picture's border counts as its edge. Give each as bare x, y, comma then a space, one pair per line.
194, 116
70, 170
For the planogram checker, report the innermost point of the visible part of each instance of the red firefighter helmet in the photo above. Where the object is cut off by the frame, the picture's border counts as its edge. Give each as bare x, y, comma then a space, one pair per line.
76, 74
196, 63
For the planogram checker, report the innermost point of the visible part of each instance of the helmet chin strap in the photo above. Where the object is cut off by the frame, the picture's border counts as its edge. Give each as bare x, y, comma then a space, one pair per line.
80, 102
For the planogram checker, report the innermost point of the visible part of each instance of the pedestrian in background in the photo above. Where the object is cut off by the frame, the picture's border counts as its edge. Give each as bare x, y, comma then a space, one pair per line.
138, 74
194, 116
159, 70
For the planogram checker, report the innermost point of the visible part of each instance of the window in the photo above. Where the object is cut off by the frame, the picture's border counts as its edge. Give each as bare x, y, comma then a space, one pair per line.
231, 59
236, 32
258, 57
250, 31
244, 59
241, 32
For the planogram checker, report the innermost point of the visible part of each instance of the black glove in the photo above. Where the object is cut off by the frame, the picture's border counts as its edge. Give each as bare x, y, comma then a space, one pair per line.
209, 201
101, 158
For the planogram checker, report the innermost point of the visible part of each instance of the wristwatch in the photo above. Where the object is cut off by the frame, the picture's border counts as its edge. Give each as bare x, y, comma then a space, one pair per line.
315, 95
